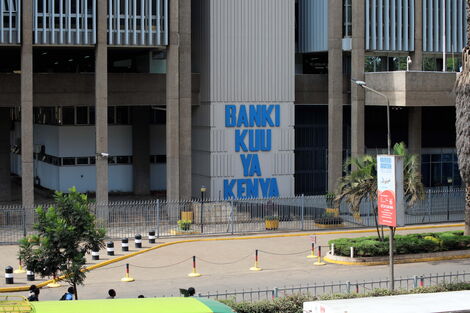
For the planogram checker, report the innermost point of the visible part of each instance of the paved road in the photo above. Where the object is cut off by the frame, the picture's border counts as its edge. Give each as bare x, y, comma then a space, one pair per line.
224, 265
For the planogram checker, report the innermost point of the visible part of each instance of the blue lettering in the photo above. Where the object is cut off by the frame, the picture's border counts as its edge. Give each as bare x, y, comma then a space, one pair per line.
267, 116
266, 141
277, 115
254, 140
228, 188
273, 188
240, 140
241, 189
264, 183
242, 117
246, 161
255, 116
255, 167
230, 115
252, 188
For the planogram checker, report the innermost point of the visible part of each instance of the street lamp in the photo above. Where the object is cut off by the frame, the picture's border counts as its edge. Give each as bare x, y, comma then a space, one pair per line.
363, 84
449, 183
203, 190
389, 148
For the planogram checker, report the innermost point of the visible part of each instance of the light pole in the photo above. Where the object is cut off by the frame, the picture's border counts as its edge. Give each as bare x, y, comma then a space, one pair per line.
389, 148
449, 183
203, 190
364, 85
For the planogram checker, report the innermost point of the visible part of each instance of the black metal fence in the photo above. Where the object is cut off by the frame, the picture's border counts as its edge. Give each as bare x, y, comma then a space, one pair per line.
301, 213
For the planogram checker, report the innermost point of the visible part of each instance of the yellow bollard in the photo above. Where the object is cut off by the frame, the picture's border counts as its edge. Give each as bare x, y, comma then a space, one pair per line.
54, 284
127, 278
319, 262
194, 273
256, 268
312, 255
20, 269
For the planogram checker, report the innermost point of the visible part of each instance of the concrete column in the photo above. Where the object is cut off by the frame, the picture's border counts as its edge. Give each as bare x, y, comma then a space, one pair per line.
335, 93
185, 98
414, 130
417, 54
178, 94
357, 72
172, 105
5, 180
101, 103
27, 172
141, 149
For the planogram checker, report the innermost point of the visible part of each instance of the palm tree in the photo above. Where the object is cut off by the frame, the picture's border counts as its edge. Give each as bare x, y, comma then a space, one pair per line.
462, 122
361, 182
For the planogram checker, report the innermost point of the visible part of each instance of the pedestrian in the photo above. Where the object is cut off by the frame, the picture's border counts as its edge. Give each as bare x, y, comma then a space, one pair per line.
141, 296
111, 293
69, 294
191, 291
33, 293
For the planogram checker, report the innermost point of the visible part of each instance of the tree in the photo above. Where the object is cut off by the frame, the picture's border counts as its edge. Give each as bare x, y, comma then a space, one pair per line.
462, 122
66, 233
360, 182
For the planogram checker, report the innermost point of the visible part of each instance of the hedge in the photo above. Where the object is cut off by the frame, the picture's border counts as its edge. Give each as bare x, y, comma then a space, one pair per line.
404, 244
294, 303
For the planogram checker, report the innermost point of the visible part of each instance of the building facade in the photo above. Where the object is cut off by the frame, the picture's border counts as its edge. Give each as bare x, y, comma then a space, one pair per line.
249, 98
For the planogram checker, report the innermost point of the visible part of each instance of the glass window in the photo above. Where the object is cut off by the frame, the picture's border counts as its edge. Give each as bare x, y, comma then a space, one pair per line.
92, 115
82, 161
122, 115
92, 160
122, 160
435, 158
68, 161
82, 115
112, 160
68, 115
111, 117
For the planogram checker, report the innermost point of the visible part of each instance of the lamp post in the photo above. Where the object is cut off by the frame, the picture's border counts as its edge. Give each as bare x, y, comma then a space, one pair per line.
203, 190
449, 183
363, 84
389, 148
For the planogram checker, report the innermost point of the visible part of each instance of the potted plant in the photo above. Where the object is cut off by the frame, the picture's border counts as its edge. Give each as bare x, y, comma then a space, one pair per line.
271, 222
329, 220
184, 225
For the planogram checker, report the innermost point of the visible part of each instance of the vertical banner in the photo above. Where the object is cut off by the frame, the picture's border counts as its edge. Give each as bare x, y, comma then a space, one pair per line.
390, 198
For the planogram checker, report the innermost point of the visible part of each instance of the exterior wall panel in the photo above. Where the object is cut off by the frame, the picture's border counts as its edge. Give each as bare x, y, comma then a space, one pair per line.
433, 25
313, 26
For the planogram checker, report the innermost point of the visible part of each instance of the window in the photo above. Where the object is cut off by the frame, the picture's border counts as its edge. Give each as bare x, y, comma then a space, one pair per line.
347, 18
68, 161
122, 115
68, 116
82, 115
111, 117
82, 161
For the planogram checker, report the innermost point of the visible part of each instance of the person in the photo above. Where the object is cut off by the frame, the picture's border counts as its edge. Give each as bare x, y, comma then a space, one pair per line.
141, 296
111, 293
191, 291
33, 293
69, 294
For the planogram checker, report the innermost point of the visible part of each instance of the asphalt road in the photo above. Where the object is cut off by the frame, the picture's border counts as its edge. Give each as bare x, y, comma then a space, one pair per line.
224, 265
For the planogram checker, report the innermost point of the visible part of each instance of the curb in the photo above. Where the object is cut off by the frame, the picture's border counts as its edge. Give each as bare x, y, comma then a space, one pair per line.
130, 255
397, 261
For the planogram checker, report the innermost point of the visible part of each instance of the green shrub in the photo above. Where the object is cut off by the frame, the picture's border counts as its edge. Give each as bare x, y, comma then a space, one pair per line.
184, 224
404, 244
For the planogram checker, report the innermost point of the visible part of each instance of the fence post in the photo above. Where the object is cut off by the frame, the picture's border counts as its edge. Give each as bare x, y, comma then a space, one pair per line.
348, 287
303, 211
232, 216
275, 292
415, 281
158, 218
430, 204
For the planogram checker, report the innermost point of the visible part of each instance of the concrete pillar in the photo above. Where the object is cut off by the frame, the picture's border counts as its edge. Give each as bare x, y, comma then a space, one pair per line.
27, 172
5, 180
414, 130
178, 95
357, 72
417, 54
335, 93
185, 98
141, 150
101, 104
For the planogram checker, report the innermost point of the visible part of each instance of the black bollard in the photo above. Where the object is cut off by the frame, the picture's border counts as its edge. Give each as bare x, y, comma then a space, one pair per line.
30, 276
138, 241
9, 275
110, 248
152, 236
95, 254
125, 244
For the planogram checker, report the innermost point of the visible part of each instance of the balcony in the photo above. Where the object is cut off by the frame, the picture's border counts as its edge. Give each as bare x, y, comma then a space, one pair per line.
412, 88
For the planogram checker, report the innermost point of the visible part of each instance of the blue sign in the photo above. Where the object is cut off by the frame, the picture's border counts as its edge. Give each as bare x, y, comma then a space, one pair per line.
252, 134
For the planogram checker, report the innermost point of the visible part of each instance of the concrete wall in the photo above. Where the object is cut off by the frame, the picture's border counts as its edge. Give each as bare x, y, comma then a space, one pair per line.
411, 88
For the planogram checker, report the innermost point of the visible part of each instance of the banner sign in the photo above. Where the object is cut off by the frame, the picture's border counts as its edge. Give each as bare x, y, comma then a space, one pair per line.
390, 198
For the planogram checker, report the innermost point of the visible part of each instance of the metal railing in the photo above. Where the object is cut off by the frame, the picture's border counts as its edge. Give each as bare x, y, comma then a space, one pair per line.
302, 213
318, 289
